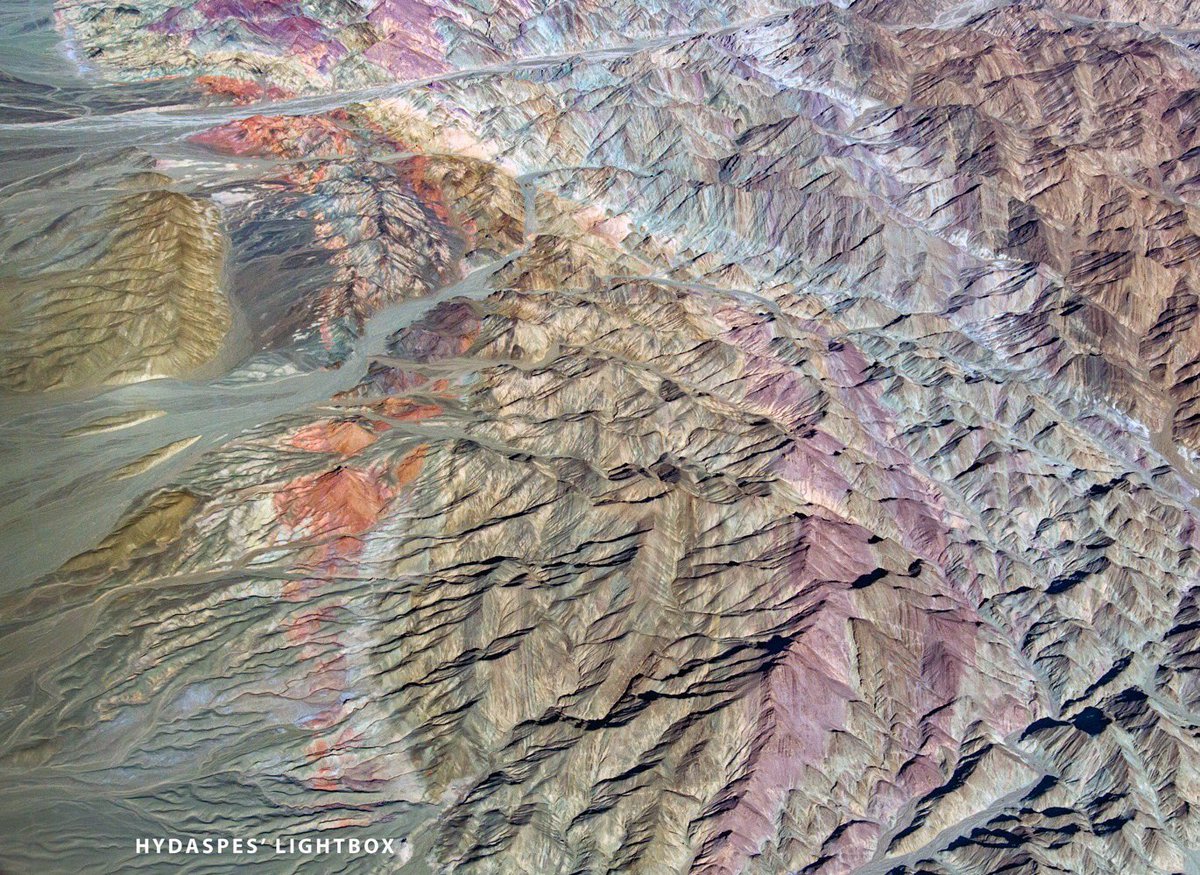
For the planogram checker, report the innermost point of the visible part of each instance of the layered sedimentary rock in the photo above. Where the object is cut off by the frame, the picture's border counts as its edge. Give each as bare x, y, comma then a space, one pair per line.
729, 440
116, 292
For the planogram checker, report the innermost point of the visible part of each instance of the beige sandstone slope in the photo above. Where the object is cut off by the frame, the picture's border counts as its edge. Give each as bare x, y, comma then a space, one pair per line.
146, 301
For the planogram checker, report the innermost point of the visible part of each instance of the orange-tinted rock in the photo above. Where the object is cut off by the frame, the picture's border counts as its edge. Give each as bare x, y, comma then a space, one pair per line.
343, 501
240, 91
344, 438
282, 136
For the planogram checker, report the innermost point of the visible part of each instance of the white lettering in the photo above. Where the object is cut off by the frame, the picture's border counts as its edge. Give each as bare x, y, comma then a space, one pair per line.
239, 845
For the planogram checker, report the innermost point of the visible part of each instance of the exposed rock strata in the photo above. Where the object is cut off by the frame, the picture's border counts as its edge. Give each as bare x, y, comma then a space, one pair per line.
128, 291
797, 476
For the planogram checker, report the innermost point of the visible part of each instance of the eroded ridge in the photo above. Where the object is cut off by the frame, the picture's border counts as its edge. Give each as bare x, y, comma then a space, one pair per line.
732, 441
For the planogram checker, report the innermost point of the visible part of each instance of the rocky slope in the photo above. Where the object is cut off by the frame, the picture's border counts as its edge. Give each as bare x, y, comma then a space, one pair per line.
729, 439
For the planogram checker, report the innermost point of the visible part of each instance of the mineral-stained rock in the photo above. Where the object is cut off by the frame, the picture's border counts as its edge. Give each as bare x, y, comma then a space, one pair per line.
716, 438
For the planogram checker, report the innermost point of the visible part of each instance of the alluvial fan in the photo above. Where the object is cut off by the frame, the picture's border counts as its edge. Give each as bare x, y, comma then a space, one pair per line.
649, 436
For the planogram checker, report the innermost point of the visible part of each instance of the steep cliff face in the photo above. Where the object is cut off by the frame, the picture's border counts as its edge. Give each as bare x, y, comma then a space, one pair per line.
679, 438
